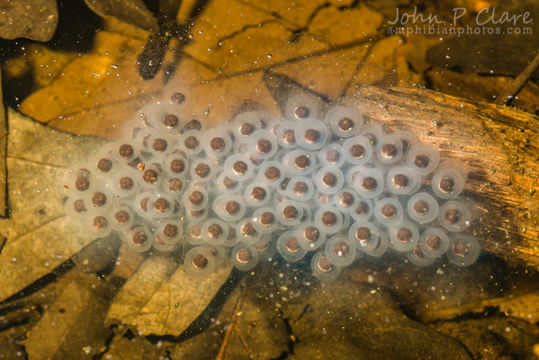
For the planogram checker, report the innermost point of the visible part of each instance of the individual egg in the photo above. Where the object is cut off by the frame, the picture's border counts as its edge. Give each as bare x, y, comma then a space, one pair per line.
239, 167
76, 207
328, 219
270, 173
100, 224
329, 179
162, 205
246, 231
423, 158
126, 150
369, 238
168, 235
402, 180
388, 211
299, 162
226, 184
344, 121
264, 220
404, 236
422, 208
340, 250
289, 212
78, 180
417, 257
363, 211
199, 262
389, 149
301, 106
122, 217
99, 198
229, 207
357, 150
190, 142
139, 238
214, 232
123, 183
310, 236
323, 268
195, 198
463, 250
449, 179
434, 242
262, 145
455, 216
246, 123
331, 154
368, 182
245, 257
346, 200
216, 142
176, 164
289, 248
203, 169
300, 188
285, 134
256, 194
311, 134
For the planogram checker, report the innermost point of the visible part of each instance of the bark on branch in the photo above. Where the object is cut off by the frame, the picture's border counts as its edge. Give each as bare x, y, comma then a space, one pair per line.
500, 145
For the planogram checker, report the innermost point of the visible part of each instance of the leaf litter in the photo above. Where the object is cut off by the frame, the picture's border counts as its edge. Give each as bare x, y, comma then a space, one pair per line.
100, 102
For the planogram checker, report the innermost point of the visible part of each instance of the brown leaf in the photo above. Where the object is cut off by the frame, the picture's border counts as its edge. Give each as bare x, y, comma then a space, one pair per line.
132, 12
39, 236
3, 162
483, 88
95, 93
31, 19
140, 288
344, 321
337, 26
439, 292
227, 54
72, 327
160, 298
252, 332
508, 55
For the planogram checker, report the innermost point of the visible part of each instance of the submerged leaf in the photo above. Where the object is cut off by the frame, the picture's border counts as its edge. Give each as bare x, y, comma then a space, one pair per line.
72, 327
39, 236
159, 302
31, 19
133, 12
97, 92
3, 163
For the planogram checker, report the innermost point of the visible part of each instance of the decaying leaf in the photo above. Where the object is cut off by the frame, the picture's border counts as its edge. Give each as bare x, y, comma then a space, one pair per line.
483, 88
160, 298
509, 55
3, 161
31, 19
39, 236
441, 292
252, 332
100, 90
497, 337
140, 288
227, 54
72, 327
328, 326
133, 12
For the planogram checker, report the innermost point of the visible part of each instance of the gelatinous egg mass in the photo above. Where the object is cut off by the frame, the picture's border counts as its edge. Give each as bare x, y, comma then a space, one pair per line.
311, 181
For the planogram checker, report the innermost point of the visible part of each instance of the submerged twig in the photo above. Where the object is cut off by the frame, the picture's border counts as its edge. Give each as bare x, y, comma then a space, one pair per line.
232, 325
516, 85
